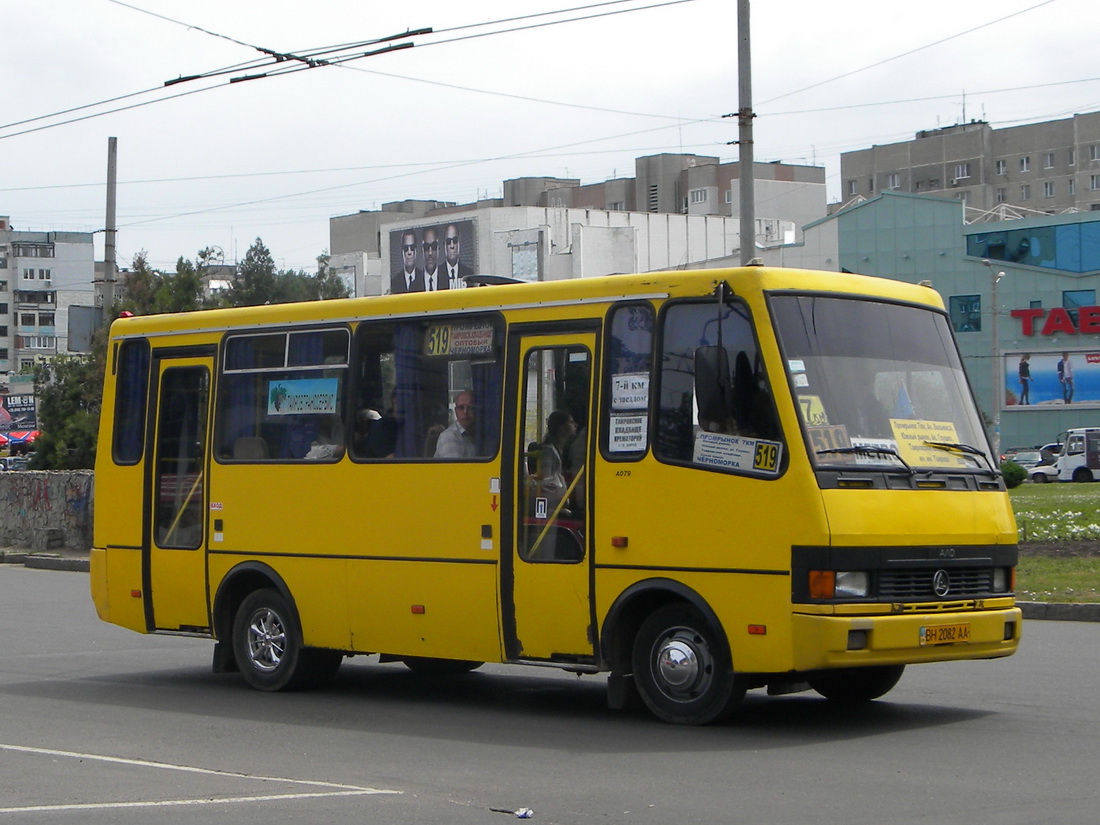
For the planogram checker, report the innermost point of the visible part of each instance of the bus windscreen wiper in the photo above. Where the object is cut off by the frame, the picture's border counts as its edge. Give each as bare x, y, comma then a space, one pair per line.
967, 449
867, 450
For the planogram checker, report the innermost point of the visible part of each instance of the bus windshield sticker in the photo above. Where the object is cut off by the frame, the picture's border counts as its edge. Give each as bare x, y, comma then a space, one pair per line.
912, 435
796, 365
628, 433
813, 411
303, 396
733, 452
800, 380
630, 391
459, 339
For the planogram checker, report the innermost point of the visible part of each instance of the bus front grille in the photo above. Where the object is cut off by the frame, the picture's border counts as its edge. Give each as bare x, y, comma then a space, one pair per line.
906, 585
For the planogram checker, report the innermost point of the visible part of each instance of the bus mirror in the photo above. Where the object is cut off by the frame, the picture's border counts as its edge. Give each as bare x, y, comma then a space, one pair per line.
712, 384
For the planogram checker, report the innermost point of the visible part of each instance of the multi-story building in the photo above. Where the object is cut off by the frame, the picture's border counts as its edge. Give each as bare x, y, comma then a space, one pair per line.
42, 274
1047, 167
679, 211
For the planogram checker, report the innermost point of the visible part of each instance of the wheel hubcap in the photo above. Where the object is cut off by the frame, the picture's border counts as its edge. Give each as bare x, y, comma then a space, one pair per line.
682, 664
266, 640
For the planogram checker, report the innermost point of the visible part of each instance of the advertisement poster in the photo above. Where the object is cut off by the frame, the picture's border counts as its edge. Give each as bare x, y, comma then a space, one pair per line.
433, 257
17, 412
1052, 379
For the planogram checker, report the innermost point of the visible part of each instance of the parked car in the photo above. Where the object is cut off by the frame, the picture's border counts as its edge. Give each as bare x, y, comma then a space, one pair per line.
1026, 458
14, 462
1011, 453
1042, 473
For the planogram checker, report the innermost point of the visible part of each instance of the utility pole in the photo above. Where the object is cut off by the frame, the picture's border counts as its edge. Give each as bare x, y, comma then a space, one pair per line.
744, 135
106, 297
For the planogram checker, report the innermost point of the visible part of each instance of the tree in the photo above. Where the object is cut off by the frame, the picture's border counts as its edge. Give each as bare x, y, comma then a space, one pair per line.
69, 390
255, 283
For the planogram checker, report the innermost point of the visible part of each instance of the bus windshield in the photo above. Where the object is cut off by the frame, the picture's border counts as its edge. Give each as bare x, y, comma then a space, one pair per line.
879, 385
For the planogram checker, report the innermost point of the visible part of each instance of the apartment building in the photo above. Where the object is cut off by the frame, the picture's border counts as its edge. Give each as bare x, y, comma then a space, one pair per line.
1047, 167
42, 274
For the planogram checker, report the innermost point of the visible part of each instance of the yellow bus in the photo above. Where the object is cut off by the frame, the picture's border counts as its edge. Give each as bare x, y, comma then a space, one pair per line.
698, 483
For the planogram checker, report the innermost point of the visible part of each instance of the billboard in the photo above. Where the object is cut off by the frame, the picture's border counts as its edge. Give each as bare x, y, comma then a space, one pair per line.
432, 257
1052, 379
17, 412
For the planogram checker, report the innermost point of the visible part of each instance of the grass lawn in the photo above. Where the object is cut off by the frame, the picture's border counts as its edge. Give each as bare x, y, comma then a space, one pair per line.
1065, 517
1061, 511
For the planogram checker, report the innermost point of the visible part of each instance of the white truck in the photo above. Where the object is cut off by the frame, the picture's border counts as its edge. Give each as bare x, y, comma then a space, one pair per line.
1080, 457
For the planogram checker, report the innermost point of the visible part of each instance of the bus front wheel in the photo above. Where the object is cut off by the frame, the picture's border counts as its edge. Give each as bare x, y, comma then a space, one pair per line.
1082, 474
682, 670
267, 644
856, 684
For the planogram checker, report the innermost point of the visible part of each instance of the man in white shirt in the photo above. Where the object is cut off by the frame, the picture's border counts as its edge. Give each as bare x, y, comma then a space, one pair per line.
430, 245
457, 441
454, 270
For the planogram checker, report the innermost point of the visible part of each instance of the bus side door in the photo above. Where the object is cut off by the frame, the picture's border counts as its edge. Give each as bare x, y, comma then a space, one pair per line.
546, 568
175, 494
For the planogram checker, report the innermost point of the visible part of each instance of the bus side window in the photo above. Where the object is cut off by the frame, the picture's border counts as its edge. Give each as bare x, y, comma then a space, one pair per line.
409, 378
131, 396
740, 408
281, 396
625, 432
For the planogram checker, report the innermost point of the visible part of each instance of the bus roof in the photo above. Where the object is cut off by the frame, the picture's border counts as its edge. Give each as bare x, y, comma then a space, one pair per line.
604, 289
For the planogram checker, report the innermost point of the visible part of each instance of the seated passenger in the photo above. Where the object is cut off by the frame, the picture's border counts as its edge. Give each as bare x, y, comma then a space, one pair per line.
457, 441
329, 443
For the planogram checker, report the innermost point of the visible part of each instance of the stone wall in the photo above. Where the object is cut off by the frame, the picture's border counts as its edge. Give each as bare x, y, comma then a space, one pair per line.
46, 509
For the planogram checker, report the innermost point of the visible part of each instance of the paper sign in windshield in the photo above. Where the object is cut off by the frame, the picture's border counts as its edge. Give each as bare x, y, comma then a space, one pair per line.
302, 396
732, 452
630, 391
628, 433
911, 436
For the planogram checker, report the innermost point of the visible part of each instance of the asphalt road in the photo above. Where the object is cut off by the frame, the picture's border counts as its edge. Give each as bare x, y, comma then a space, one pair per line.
100, 725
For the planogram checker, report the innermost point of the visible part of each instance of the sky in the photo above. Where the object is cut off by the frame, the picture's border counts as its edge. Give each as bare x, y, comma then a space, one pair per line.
576, 88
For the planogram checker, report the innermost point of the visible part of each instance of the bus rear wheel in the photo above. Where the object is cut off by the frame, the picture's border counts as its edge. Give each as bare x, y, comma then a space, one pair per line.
681, 668
852, 685
267, 644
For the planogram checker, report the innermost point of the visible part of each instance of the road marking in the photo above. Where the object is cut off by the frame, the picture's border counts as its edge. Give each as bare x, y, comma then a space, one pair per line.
168, 803
335, 788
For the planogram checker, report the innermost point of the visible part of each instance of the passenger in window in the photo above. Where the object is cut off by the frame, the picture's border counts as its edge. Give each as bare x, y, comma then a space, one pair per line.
457, 441
551, 480
382, 440
329, 443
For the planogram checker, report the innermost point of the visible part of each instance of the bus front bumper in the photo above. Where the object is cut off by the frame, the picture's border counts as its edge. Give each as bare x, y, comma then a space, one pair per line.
829, 641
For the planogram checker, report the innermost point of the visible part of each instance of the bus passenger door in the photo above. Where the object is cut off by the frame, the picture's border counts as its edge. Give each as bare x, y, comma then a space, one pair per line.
175, 570
546, 573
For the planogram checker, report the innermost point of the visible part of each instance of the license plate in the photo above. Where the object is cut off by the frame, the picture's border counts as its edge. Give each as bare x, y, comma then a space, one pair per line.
944, 634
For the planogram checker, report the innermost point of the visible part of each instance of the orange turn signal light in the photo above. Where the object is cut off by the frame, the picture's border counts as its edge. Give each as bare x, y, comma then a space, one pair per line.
822, 584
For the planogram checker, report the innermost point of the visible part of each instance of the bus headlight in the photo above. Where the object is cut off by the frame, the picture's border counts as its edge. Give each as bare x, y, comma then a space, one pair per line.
829, 584
1002, 578
851, 585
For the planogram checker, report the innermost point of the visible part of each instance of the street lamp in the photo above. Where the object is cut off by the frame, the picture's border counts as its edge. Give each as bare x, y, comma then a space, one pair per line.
997, 373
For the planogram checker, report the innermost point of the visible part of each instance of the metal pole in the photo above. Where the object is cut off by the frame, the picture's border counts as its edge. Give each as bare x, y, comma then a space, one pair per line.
108, 293
998, 373
744, 135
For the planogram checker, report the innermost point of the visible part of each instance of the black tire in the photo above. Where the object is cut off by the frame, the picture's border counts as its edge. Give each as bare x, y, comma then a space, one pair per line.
1039, 478
853, 685
1082, 474
439, 667
267, 644
682, 669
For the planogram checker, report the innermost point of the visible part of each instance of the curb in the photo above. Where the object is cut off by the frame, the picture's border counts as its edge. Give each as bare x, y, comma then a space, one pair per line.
1060, 611
44, 561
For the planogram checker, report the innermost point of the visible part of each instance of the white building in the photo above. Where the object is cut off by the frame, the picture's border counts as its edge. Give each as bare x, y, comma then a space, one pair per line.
42, 274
